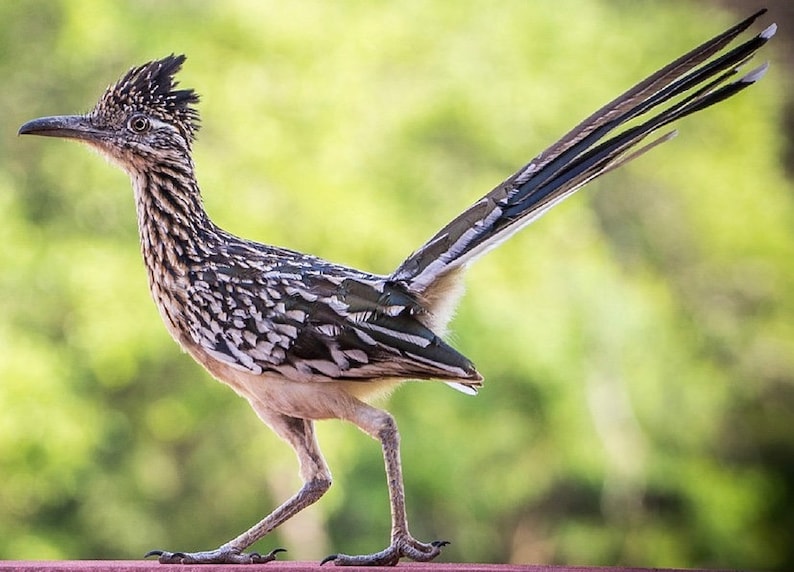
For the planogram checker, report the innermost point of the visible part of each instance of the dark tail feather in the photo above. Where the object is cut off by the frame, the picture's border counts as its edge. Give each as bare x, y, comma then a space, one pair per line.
581, 155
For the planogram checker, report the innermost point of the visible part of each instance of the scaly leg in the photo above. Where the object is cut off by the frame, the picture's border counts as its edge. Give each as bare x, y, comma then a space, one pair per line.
316, 480
381, 426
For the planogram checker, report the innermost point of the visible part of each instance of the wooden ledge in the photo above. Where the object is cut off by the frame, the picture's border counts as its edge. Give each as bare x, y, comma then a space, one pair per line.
277, 566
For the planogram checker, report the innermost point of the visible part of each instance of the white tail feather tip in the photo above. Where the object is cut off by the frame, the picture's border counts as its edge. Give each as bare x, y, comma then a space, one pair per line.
768, 32
467, 389
756, 74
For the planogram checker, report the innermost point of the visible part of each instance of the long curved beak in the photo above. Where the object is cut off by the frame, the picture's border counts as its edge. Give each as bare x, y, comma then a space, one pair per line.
67, 126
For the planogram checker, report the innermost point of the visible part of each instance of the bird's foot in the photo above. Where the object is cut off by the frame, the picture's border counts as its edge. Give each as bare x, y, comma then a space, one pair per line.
404, 547
222, 555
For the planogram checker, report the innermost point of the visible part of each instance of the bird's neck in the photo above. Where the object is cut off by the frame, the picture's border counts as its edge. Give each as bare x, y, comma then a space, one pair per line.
173, 225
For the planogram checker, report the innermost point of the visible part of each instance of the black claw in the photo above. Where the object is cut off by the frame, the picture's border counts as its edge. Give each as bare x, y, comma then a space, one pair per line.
440, 543
329, 558
270, 556
157, 553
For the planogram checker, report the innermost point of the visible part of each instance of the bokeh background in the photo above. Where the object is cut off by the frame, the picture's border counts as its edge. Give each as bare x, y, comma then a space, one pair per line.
637, 343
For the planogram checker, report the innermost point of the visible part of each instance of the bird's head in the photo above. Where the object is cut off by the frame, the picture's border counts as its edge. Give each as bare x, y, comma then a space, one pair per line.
141, 119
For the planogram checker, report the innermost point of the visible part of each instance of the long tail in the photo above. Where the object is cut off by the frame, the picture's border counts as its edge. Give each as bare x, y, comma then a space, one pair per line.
582, 154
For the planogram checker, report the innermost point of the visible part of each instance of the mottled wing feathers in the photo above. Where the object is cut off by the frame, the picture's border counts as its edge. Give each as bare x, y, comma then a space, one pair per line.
321, 325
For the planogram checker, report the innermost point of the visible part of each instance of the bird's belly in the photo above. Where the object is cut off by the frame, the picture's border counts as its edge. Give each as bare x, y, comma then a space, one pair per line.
302, 399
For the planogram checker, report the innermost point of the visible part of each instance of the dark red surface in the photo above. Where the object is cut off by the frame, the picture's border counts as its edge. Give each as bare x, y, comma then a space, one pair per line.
145, 565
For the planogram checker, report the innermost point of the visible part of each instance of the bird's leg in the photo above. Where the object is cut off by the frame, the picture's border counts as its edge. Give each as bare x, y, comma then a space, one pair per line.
316, 480
381, 426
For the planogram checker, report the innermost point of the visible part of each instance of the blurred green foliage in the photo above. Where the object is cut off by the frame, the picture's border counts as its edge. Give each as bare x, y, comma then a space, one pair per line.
638, 343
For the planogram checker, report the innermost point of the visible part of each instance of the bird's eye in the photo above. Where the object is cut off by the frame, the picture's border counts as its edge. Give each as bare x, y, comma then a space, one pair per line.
139, 123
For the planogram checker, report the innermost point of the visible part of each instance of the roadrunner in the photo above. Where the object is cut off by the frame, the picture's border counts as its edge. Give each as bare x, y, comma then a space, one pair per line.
303, 339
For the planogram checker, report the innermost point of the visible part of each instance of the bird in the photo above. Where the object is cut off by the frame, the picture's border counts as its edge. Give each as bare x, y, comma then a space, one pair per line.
303, 339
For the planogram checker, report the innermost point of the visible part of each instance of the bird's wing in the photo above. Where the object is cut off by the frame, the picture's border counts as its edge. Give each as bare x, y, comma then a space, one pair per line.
328, 324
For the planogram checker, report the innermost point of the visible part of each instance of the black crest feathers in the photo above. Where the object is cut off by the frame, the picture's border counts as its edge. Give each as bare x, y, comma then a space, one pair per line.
151, 89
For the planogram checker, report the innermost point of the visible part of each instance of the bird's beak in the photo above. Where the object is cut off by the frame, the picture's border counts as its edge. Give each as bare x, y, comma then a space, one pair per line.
68, 126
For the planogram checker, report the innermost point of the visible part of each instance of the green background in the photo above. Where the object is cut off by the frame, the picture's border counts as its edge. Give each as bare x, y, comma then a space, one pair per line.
637, 343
